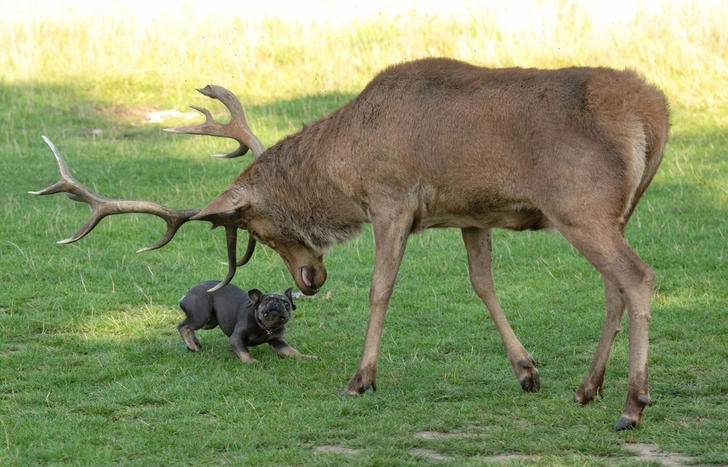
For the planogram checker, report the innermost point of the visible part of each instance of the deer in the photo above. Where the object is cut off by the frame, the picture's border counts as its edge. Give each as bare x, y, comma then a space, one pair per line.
441, 143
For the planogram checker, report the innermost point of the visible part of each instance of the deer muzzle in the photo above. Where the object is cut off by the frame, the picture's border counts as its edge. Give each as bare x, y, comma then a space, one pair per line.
310, 279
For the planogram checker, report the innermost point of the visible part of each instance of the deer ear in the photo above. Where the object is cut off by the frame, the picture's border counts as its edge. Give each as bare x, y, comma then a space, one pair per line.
231, 199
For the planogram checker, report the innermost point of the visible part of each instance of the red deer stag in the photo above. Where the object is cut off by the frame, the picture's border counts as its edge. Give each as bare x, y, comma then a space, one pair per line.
441, 143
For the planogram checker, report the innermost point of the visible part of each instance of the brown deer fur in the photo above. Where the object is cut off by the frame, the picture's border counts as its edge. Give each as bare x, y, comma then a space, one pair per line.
441, 143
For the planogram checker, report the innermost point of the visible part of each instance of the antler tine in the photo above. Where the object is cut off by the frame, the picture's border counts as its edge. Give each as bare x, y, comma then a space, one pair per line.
102, 206
236, 129
172, 228
231, 238
248, 252
67, 183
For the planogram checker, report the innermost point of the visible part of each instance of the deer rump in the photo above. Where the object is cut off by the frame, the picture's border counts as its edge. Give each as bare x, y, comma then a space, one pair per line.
441, 143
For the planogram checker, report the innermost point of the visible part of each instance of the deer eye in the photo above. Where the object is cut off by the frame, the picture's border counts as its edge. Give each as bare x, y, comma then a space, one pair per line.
260, 239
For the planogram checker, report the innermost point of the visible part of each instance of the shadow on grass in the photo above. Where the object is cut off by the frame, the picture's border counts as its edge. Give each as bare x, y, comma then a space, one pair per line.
53, 292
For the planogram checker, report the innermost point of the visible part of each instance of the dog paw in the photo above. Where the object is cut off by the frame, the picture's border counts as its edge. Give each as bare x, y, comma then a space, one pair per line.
247, 358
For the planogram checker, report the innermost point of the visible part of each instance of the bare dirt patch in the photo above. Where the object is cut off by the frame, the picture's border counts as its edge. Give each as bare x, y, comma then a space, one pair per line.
160, 116
505, 458
12, 348
652, 453
431, 454
331, 449
645, 452
438, 435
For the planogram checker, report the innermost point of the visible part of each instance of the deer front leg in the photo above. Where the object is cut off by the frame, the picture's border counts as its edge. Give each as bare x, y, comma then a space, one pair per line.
593, 383
478, 245
390, 236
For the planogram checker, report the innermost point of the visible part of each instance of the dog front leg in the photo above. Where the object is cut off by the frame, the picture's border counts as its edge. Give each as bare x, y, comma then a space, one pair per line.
390, 236
240, 349
282, 347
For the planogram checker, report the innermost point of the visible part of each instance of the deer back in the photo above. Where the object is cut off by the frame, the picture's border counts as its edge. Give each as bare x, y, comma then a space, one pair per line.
513, 148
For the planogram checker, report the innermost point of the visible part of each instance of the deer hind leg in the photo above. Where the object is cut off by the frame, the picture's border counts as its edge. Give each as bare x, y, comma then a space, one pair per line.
593, 383
478, 245
605, 247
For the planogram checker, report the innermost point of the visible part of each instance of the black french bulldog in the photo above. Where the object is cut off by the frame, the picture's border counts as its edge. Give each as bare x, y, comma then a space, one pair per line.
248, 319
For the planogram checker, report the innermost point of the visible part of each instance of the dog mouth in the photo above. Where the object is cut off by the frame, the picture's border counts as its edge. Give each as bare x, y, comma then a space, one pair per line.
273, 321
274, 315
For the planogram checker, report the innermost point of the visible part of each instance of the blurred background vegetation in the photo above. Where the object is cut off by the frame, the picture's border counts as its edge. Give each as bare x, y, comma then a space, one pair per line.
154, 51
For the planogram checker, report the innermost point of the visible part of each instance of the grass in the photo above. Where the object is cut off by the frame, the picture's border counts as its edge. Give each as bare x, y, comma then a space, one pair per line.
93, 372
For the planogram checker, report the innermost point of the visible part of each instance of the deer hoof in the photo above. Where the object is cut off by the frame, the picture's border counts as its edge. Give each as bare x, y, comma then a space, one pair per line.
527, 363
352, 392
583, 397
626, 423
586, 395
527, 374
532, 382
358, 387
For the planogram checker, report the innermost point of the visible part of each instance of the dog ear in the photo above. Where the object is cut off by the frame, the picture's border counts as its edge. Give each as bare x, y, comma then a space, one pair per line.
255, 296
289, 293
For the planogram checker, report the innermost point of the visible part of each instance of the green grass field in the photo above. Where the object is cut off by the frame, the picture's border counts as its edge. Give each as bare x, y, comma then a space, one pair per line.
93, 372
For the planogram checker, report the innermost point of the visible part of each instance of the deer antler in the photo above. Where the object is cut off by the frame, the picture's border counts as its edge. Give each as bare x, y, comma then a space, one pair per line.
102, 206
236, 129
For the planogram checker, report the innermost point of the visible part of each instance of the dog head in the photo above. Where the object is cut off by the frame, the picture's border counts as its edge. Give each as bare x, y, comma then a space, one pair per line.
272, 310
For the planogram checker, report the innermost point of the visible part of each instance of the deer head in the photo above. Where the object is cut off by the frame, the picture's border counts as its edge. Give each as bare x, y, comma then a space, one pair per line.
253, 208
258, 210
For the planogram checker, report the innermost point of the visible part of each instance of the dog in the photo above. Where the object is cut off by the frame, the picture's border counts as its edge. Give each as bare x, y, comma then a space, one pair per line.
248, 319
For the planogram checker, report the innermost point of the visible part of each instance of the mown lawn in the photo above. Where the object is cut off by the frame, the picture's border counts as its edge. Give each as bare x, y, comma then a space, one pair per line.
93, 372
